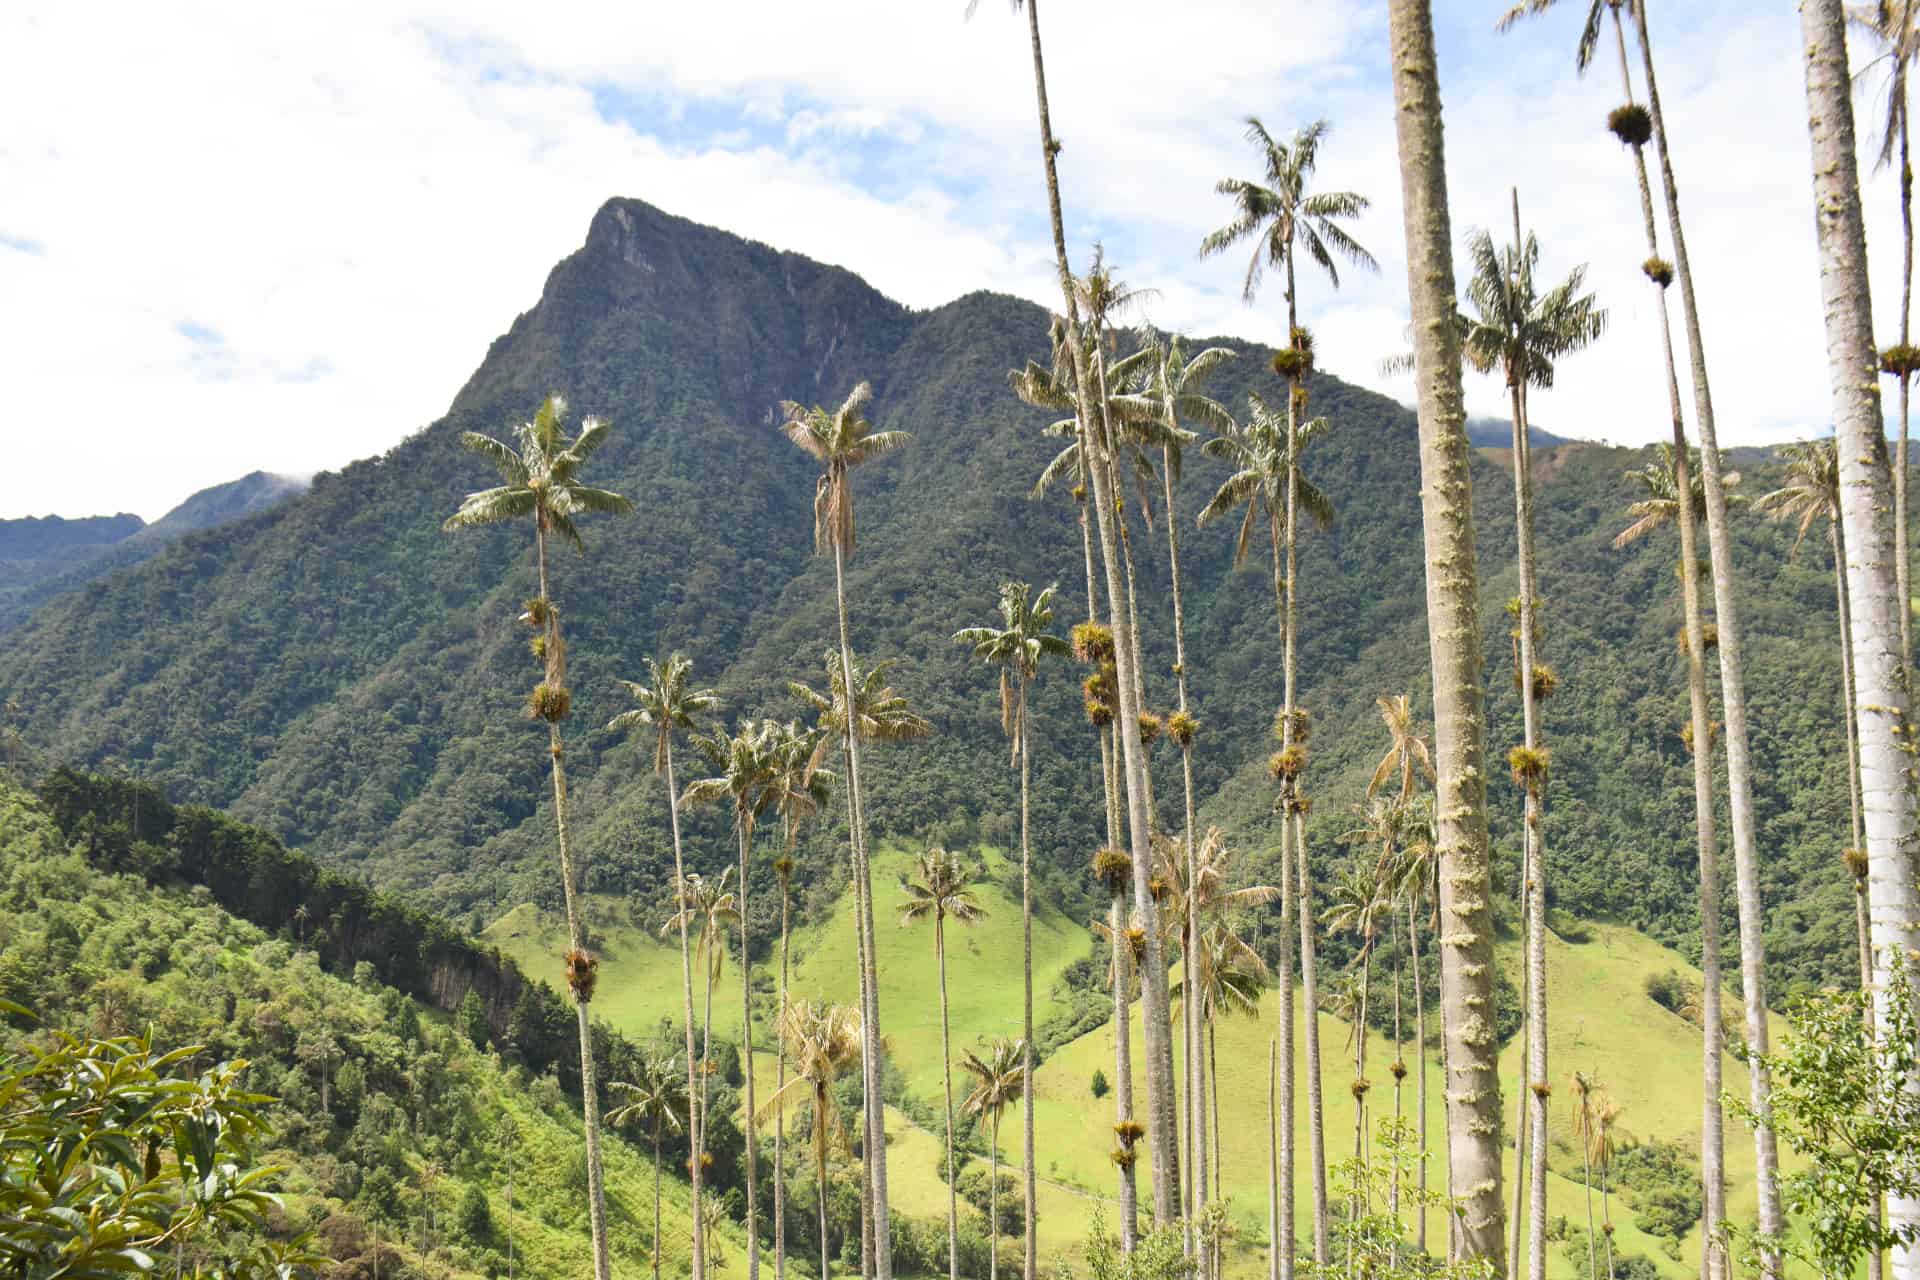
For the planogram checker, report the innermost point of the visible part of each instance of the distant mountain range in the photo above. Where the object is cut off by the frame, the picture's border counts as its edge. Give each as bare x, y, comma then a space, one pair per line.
45, 556
1497, 433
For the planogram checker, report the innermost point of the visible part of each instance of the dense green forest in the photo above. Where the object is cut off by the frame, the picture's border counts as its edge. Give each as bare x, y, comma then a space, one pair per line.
342, 673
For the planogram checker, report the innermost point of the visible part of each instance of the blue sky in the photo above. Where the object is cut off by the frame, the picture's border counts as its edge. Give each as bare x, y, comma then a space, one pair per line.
237, 237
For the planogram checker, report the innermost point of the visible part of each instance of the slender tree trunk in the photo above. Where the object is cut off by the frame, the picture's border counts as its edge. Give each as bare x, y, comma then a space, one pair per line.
743, 828
946, 1081
859, 882
1746, 858
577, 942
1903, 536
696, 1087
993, 1202
1593, 1241
1030, 1190
872, 1046
1154, 985
1523, 1118
1303, 886
1837, 544
1213, 1065
1361, 1087
1283, 969
1712, 1143
1399, 1074
1123, 1066
1420, 1066
820, 1173
1538, 1085
656, 1198
1460, 808
1190, 956
780, 1084
1880, 669
1274, 1206
1606, 1220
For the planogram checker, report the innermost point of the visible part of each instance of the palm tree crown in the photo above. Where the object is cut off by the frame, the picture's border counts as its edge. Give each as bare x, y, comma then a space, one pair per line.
708, 905
1278, 211
667, 702
1515, 330
944, 888
1660, 506
1258, 453
656, 1097
542, 476
880, 712
1407, 753
1016, 647
839, 440
1812, 491
999, 1078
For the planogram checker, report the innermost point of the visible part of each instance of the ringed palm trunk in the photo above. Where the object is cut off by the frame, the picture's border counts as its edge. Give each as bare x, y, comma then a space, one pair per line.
1712, 1142
696, 1089
1420, 1071
1284, 970
1303, 886
820, 1171
577, 942
1154, 984
1190, 953
1029, 1188
1453, 627
946, 1080
1880, 668
1275, 1208
780, 1083
993, 1202
1534, 831
1593, 1241
656, 1198
1290, 903
1753, 978
871, 1045
1123, 1066
1523, 1118
1902, 534
743, 827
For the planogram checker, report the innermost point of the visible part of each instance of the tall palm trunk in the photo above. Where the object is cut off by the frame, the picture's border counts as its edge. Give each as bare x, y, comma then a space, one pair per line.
1360, 1086
743, 828
1453, 627
1274, 1206
696, 1089
1303, 886
1593, 1241
1880, 668
1746, 858
1534, 833
1284, 971
1836, 542
577, 943
1154, 984
993, 1202
1028, 1183
1606, 1219
780, 1083
1123, 1066
1523, 1118
1399, 1074
871, 1045
946, 1081
1712, 1141
1190, 953
1420, 1068
656, 1197
1902, 534
820, 1171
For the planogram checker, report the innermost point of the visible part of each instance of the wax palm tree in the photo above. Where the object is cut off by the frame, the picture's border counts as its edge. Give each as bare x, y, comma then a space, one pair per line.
541, 479
1453, 624
1657, 507
1518, 331
1265, 454
840, 440
1113, 869
1356, 904
822, 1041
1172, 384
1882, 678
1812, 494
656, 1099
1230, 979
1131, 756
708, 906
1583, 1092
1017, 647
943, 888
1603, 1143
1408, 756
999, 1081
744, 779
668, 704
1893, 27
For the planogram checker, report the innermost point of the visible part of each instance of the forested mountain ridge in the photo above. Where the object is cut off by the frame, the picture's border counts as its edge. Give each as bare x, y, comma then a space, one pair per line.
343, 673
41, 558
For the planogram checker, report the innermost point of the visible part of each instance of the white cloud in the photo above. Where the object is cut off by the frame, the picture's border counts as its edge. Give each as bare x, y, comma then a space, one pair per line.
355, 199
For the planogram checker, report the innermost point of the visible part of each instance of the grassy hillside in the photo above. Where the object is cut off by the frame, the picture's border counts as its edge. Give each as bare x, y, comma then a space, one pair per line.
1604, 1024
